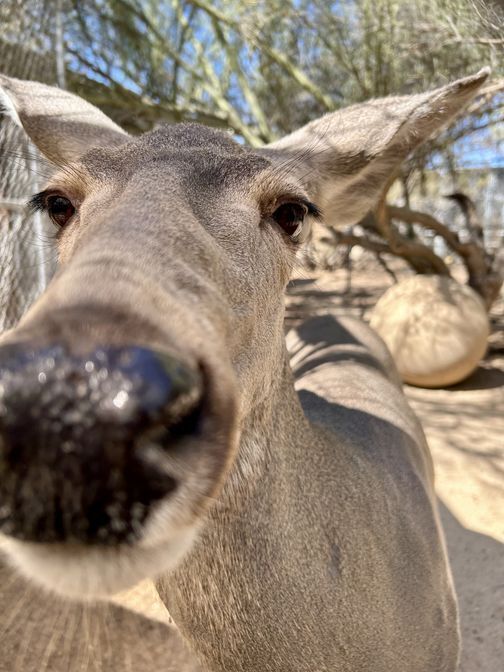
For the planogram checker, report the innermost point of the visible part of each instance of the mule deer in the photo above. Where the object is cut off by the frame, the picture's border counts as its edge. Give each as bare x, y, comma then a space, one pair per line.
152, 424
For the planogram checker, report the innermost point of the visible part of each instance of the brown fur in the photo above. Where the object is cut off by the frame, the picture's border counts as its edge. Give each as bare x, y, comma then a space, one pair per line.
320, 548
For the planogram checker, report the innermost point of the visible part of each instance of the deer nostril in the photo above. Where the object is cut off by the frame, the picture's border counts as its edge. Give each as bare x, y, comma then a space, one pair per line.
72, 429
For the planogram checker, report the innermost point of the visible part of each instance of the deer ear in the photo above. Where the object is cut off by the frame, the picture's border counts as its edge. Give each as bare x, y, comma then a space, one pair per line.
62, 125
345, 158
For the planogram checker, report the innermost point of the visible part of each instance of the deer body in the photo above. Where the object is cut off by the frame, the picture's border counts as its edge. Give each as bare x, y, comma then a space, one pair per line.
339, 506
151, 424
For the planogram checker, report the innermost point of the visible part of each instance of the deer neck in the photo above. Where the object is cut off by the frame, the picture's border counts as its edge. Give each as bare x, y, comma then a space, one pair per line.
273, 434
268, 430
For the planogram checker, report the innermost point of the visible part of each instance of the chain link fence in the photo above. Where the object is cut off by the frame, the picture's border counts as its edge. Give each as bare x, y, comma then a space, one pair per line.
20, 257
26, 257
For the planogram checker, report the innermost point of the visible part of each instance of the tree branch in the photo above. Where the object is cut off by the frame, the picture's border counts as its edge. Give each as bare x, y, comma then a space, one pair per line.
482, 276
428, 222
281, 59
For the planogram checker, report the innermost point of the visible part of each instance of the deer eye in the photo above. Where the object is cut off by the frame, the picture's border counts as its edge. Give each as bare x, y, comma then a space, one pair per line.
60, 209
290, 217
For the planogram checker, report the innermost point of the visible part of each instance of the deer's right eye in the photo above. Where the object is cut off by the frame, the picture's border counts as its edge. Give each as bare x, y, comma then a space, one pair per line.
59, 209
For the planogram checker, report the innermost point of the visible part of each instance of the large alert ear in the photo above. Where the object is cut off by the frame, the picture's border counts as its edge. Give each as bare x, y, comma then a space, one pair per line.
345, 158
62, 125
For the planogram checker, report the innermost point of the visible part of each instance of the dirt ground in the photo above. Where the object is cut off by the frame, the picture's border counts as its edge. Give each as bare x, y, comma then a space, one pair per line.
464, 425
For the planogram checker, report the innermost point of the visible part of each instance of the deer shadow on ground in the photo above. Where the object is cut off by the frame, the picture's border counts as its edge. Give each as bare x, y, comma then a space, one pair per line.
477, 561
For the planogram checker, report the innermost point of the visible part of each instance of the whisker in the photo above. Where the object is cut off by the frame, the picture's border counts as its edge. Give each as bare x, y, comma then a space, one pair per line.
23, 601
88, 639
58, 633
70, 632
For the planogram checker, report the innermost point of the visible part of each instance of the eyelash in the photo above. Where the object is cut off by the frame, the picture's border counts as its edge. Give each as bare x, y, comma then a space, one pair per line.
311, 209
37, 202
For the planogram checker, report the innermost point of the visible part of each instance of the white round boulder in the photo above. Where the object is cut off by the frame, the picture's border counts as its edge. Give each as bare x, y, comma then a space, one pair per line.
435, 328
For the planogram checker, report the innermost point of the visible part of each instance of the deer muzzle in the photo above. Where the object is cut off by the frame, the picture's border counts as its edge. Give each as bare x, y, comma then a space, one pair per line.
82, 439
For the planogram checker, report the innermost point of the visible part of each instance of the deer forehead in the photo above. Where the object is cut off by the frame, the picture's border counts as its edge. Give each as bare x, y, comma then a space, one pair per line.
196, 156
183, 192
179, 169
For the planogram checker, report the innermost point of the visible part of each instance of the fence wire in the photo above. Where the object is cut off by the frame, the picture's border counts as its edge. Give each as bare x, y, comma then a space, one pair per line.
26, 260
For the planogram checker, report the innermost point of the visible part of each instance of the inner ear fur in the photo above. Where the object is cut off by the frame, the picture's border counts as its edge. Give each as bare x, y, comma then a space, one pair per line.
61, 125
345, 158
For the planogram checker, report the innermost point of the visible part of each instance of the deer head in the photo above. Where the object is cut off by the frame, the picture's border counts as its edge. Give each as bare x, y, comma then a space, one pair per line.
125, 388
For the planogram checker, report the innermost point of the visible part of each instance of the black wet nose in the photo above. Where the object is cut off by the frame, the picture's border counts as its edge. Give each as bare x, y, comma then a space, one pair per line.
76, 438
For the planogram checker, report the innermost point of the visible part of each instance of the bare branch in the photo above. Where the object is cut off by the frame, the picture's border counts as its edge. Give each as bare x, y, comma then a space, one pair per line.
428, 222
340, 238
473, 224
474, 40
483, 277
418, 256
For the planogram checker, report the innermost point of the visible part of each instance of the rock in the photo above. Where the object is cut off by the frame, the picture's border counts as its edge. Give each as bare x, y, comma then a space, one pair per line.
435, 328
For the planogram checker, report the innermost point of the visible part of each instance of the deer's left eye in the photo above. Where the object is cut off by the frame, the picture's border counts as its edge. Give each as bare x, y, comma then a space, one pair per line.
60, 209
290, 217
